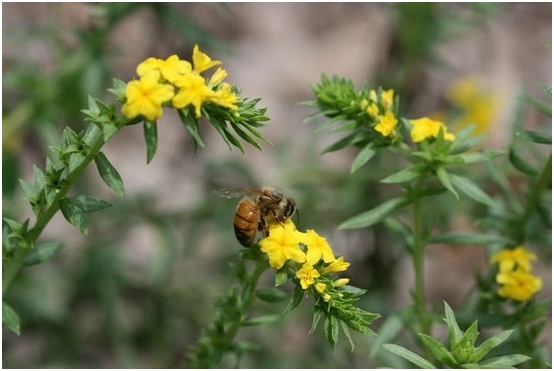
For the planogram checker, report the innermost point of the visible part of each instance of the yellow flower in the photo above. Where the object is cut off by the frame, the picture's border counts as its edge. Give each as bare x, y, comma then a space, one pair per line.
372, 110
475, 104
337, 265
170, 69
219, 75
307, 275
224, 97
426, 128
387, 99
280, 246
373, 95
518, 285
363, 104
192, 90
326, 298
341, 282
320, 287
510, 259
317, 247
146, 96
386, 124
201, 61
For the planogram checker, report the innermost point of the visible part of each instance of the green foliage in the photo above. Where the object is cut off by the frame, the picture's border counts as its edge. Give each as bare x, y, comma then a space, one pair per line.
462, 352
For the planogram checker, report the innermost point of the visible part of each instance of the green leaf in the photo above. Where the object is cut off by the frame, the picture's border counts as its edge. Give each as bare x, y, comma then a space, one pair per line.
454, 331
74, 209
402, 176
482, 350
281, 276
261, 320
42, 253
332, 330
471, 190
375, 215
151, 138
74, 215
390, 328
244, 135
296, 298
272, 295
346, 332
460, 238
349, 140
439, 350
363, 156
535, 136
191, 123
520, 163
503, 362
409, 356
318, 312
10, 319
547, 89
475, 157
109, 174
444, 178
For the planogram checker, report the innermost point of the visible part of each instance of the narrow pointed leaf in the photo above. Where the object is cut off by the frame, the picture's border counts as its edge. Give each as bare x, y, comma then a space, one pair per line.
363, 156
346, 332
261, 320
401, 176
74, 215
296, 298
454, 331
318, 313
471, 190
486, 346
332, 330
109, 174
42, 253
191, 124
151, 139
375, 215
535, 136
439, 350
520, 163
10, 319
271, 295
444, 178
409, 356
504, 362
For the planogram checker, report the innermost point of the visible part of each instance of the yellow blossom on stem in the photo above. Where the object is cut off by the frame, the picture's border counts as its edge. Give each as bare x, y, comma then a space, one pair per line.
425, 127
372, 110
192, 90
170, 69
373, 95
337, 265
386, 124
201, 61
387, 99
510, 259
307, 275
341, 282
519, 285
318, 247
320, 287
224, 97
280, 246
146, 96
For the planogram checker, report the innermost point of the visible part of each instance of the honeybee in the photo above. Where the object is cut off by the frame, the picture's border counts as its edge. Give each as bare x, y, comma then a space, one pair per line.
257, 209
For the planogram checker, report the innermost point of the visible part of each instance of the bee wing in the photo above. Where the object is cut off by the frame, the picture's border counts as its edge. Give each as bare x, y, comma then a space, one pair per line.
236, 192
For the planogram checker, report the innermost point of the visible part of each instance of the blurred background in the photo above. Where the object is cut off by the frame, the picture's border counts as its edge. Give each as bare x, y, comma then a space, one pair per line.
138, 290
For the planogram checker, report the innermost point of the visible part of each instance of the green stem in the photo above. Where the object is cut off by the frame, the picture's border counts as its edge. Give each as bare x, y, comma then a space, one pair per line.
418, 260
219, 338
533, 199
13, 266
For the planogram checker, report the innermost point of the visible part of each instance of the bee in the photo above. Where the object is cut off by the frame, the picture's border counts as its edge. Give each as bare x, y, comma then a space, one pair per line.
257, 209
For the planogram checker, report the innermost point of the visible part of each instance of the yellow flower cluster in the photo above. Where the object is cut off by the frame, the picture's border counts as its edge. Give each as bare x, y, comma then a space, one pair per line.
380, 110
285, 242
514, 274
425, 127
177, 83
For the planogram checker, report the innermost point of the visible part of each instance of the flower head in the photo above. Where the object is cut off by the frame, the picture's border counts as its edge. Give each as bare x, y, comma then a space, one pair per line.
387, 99
281, 245
372, 110
318, 247
386, 124
192, 90
518, 285
307, 275
425, 127
510, 259
337, 265
146, 96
